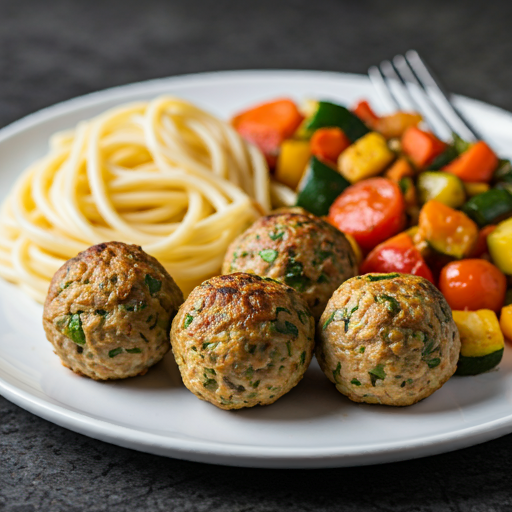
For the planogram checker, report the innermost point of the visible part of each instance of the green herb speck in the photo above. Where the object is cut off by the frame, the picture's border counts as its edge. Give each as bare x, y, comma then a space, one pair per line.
377, 373
382, 277
133, 350
268, 255
115, 352
289, 347
74, 330
434, 362
392, 305
153, 284
355, 382
303, 357
210, 384
336, 372
188, 320
276, 235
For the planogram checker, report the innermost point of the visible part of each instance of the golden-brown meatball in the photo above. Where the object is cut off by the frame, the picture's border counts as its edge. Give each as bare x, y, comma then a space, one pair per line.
387, 339
109, 310
241, 340
298, 249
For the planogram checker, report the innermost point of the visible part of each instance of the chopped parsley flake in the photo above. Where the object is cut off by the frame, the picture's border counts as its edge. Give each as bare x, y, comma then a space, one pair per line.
153, 284
391, 303
115, 352
362, 349
294, 275
434, 362
303, 357
377, 373
188, 320
74, 330
133, 350
286, 328
268, 255
210, 370
276, 235
303, 317
355, 382
289, 347
336, 372
381, 277
210, 384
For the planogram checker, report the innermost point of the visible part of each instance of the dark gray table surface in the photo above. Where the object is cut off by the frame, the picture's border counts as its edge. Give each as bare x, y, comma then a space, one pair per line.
54, 50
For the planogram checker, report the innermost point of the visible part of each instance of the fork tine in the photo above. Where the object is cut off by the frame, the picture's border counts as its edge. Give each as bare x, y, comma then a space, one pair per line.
396, 86
439, 98
422, 101
382, 89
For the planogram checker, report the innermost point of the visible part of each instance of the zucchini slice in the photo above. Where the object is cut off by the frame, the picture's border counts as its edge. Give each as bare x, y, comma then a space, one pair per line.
329, 114
319, 187
482, 341
441, 186
449, 154
490, 207
500, 246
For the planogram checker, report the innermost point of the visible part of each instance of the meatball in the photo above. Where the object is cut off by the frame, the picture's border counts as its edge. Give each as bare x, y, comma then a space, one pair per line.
298, 249
387, 339
109, 310
241, 340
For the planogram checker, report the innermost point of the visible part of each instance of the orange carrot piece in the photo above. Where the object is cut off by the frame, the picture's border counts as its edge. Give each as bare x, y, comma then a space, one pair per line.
400, 169
478, 163
422, 147
329, 143
365, 112
268, 124
394, 125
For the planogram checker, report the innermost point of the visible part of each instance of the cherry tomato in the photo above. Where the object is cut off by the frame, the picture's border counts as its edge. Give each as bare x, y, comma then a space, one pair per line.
398, 254
473, 284
371, 211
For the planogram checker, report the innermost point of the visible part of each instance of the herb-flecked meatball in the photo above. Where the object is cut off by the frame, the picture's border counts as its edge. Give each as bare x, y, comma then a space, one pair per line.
298, 249
109, 310
388, 339
241, 340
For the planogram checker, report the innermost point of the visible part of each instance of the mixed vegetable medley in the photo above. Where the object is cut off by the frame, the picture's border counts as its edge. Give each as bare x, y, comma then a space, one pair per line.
408, 202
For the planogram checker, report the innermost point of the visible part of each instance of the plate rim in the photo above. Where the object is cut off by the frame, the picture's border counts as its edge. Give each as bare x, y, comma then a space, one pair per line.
217, 452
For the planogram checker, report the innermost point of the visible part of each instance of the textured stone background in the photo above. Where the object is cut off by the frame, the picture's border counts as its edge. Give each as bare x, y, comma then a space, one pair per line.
53, 50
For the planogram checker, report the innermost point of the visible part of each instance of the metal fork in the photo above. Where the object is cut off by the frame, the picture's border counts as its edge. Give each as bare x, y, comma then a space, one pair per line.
406, 83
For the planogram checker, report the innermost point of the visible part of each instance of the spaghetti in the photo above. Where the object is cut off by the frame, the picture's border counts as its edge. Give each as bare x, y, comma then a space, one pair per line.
161, 174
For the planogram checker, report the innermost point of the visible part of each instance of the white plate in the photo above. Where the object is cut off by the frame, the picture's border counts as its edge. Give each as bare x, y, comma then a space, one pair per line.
312, 426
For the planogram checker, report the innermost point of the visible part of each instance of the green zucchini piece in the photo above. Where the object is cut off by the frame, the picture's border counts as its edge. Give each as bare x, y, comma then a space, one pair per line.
476, 365
460, 145
490, 207
441, 186
503, 171
319, 187
447, 156
329, 114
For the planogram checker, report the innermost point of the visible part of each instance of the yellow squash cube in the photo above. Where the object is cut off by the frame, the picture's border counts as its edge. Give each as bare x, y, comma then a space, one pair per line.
366, 157
292, 161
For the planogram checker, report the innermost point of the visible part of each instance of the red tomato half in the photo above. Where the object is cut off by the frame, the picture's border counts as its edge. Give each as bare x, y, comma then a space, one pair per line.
371, 211
398, 254
473, 284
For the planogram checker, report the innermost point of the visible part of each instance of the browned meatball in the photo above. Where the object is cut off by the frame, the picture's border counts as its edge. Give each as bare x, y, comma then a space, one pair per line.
241, 340
298, 249
109, 310
388, 339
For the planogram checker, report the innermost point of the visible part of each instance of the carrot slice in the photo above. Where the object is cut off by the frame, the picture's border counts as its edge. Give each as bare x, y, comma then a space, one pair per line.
365, 112
478, 163
400, 169
328, 143
398, 254
371, 211
268, 125
422, 147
